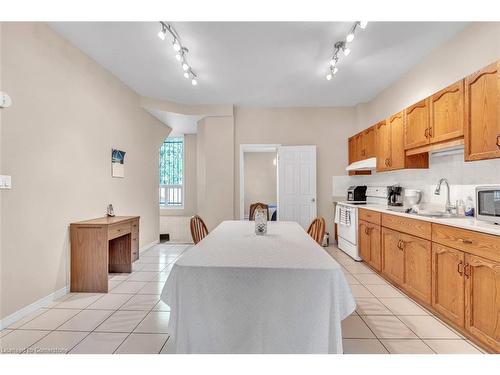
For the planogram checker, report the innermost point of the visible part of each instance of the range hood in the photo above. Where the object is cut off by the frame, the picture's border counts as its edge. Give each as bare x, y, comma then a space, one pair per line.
363, 165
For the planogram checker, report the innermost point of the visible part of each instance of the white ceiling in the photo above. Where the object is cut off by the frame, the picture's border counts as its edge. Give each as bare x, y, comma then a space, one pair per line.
259, 63
180, 124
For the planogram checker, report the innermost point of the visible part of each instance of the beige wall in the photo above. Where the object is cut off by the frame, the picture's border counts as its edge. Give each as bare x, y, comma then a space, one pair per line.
67, 114
215, 169
471, 49
260, 178
327, 128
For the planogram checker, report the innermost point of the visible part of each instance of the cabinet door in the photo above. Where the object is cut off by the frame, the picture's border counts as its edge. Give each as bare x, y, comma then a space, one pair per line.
364, 241
383, 145
375, 248
482, 114
369, 142
416, 125
392, 256
351, 145
417, 255
448, 283
360, 152
397, 159
447, 113
482, 300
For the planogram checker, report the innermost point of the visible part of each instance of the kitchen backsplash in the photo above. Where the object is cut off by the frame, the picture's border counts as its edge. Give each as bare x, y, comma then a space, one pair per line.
462, 176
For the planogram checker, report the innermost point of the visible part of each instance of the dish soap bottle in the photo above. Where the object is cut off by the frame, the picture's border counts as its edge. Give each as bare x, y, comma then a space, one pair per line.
469, 207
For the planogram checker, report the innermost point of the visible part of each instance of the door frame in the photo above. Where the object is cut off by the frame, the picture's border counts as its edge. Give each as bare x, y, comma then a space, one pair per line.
257, 147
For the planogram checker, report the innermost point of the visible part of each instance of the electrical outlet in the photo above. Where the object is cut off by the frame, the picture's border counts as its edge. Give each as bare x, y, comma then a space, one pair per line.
5, 182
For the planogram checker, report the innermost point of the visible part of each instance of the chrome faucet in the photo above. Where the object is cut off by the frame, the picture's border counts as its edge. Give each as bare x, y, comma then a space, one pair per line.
449, 207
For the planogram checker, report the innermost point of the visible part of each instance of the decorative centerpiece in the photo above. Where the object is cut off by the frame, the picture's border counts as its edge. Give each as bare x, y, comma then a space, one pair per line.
260, 222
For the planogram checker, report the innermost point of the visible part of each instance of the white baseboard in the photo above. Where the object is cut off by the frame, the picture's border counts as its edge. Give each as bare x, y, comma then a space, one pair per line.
25, 311
149, 245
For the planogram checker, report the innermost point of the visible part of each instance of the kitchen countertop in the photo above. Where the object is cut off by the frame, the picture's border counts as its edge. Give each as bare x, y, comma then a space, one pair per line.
459, 222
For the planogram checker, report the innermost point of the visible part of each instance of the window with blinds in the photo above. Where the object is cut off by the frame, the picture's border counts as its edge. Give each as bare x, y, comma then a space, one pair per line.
172, 173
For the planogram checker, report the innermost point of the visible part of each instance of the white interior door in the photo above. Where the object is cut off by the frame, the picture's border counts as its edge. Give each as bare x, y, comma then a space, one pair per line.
297, 184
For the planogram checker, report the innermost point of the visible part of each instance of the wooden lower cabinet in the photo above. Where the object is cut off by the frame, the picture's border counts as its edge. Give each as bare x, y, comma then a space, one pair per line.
448, 283
406, 261
392, 256
482, 300
369, 244
417, 267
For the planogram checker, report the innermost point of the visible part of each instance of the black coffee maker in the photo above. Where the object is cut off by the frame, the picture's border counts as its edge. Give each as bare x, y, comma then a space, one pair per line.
394, 195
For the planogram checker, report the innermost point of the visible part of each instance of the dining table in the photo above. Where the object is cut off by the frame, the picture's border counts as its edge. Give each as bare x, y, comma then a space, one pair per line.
239, 292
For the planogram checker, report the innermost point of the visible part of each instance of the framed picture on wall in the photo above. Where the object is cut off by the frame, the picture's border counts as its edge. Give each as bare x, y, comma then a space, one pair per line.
117, 163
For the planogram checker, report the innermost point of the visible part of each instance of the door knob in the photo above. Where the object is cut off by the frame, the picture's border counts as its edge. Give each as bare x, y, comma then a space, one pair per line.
313, 200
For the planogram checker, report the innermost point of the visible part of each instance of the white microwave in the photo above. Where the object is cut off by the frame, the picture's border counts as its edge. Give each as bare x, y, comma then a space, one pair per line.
488, 203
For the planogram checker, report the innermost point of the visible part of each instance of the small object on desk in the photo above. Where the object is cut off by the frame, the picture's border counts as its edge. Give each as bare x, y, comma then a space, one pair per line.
260, 222
110, 211
100, 246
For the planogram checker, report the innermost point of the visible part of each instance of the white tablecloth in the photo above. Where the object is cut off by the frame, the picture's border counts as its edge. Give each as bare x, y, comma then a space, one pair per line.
236, 292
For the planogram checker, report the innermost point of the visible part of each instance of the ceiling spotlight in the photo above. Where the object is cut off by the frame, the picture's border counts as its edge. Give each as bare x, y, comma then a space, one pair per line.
181, 51
329, 76
350, 37
363, 24
176, 45
162, 34
347, 51
335, 70
333, 61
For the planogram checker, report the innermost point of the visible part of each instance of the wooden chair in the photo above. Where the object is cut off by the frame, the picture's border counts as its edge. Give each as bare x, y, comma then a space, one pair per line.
254, 207
198, 229
317, 229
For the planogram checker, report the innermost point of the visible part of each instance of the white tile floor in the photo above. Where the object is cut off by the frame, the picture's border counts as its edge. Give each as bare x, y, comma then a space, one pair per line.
132, 319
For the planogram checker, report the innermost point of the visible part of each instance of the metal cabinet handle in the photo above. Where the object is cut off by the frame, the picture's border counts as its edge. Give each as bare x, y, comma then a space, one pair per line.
460, 268
430, 132
465, 241
498, 141
426, 133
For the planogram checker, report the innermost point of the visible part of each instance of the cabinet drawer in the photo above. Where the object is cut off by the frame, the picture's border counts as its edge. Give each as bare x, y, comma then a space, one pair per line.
370, 216
414, 227
118, 230
481, 244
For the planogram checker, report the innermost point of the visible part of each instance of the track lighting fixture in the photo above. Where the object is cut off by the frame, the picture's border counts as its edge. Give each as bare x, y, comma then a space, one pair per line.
341, 46
181, 51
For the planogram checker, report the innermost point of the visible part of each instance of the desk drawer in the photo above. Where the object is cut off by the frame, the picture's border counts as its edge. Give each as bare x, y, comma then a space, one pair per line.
373, 217
118, 230
481, 244
414, 227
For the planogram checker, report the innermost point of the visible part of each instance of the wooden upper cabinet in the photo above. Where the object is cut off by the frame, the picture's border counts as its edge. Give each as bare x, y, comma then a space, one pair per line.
447, 113
369, 143
396, 124
359, 147
383, 145
482, 300
482, 114
351, 145
448, 283
416, 125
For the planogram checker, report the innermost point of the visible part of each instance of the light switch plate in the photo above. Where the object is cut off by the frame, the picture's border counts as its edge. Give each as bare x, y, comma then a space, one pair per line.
5, 182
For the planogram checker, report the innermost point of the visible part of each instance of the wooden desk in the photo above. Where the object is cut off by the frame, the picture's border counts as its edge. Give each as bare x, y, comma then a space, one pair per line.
99, 246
